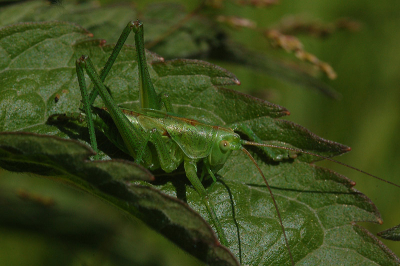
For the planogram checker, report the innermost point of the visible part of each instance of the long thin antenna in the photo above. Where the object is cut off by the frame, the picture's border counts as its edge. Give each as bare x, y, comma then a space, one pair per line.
273, 200
245, 142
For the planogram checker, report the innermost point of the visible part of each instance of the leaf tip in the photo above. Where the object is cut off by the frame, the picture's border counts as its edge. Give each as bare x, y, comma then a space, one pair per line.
102, 42
346, 148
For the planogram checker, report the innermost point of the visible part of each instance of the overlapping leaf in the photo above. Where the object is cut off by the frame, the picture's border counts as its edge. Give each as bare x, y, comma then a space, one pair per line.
391, 233
318, 206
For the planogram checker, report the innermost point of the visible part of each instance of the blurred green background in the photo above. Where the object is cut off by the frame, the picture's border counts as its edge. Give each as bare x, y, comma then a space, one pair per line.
367, 118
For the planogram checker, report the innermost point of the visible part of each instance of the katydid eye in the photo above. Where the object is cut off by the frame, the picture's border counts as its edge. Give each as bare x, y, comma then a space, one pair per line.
224, 145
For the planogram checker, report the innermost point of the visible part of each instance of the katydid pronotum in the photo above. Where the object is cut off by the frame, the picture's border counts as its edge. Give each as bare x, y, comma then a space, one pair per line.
156, 138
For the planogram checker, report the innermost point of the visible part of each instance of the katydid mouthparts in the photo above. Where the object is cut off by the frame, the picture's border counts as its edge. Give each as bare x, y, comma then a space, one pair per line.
156, 138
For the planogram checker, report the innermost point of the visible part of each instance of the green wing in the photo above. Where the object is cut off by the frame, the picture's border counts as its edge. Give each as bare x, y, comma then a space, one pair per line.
195, 139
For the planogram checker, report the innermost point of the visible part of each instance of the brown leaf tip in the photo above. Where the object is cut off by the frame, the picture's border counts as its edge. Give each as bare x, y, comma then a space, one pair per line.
346, 149
102, 43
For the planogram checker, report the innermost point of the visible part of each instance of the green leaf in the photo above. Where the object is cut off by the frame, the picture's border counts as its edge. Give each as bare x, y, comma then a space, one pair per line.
318, 206
391, 233
22, 152
199, 35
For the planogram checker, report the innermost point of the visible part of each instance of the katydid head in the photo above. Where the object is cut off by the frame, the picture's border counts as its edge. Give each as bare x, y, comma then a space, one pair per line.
224, 144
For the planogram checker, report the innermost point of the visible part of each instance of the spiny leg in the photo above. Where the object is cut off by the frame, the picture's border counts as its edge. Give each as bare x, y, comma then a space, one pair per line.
147, 95
191, 173
133, 138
